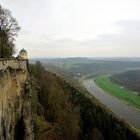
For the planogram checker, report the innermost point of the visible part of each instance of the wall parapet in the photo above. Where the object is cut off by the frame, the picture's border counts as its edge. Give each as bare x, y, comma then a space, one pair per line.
13, 63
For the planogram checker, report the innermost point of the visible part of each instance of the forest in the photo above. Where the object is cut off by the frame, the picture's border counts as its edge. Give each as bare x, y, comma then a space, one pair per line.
128, 79
64, 112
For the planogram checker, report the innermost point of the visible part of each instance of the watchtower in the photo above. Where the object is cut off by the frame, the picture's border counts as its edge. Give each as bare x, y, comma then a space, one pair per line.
23, 54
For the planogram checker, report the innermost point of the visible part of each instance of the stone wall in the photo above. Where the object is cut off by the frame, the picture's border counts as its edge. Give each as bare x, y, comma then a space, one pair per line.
13, 63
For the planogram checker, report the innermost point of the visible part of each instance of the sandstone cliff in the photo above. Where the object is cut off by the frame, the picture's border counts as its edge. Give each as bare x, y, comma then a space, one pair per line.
15, 103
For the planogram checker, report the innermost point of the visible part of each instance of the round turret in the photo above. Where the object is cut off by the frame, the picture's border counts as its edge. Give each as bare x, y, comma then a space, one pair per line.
23, 54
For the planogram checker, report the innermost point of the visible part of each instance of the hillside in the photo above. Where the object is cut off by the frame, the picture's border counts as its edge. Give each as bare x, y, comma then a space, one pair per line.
129, 79
89, 66
64, 112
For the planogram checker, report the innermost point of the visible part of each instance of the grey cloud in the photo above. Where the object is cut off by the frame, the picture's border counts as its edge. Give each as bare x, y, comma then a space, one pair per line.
124, 44
130, 29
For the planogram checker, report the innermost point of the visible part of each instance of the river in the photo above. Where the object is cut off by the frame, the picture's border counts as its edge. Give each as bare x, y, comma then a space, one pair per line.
124, 111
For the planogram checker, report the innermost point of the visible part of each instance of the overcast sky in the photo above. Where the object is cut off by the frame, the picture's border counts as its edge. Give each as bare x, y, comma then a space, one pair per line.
83, 28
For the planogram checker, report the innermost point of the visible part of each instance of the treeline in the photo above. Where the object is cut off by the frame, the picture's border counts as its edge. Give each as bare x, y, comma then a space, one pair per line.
63, 112
129, 79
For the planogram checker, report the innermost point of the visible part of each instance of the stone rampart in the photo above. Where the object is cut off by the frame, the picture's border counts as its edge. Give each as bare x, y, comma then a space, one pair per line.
13, 63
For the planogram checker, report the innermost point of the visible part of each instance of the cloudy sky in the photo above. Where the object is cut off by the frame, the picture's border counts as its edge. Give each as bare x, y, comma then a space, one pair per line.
83, 28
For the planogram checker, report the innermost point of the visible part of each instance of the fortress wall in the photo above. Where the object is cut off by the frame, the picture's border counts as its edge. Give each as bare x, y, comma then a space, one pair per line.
13, 63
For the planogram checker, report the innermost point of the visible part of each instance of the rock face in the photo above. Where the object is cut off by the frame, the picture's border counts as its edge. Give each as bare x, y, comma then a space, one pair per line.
15, 103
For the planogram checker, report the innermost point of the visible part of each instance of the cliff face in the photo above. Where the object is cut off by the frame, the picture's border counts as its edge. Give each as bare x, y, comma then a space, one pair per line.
15, 104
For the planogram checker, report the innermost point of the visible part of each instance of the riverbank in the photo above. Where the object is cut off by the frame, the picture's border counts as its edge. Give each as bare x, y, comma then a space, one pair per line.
118, 91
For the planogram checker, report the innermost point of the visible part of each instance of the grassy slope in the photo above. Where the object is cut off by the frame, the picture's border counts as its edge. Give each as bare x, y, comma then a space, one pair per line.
116, 90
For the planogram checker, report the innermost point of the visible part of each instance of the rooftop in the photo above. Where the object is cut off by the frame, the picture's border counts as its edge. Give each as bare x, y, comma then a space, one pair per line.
23, 51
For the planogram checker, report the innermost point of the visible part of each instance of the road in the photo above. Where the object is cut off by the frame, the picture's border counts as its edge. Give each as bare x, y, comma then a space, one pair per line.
125, 112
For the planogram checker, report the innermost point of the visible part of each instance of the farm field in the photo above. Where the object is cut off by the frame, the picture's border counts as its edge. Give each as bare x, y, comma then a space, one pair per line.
118, 91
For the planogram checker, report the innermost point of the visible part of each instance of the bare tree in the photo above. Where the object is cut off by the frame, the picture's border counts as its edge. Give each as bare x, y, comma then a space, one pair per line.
8, 31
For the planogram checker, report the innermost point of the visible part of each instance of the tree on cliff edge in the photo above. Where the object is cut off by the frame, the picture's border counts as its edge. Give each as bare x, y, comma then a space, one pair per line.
8, 31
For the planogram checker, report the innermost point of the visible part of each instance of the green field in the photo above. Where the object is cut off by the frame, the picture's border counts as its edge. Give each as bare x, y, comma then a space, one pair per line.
116, 90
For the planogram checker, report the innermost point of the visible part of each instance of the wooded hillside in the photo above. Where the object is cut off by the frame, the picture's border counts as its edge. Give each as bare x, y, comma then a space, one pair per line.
63, 112
129, 79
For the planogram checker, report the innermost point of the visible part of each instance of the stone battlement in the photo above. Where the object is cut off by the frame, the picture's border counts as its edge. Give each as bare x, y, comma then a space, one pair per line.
13, 63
